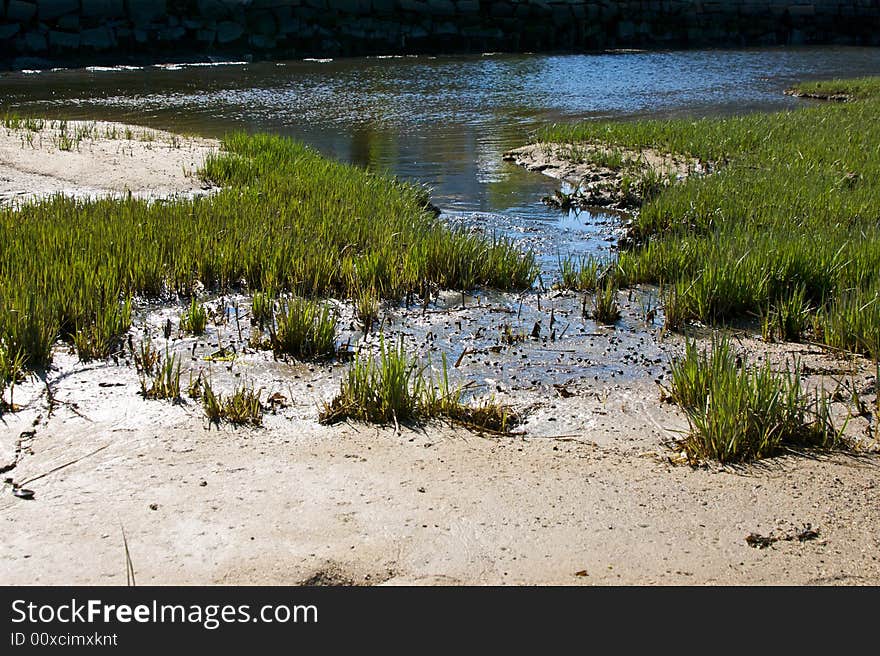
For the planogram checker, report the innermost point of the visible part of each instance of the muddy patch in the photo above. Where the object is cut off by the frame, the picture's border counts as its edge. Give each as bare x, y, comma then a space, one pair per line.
602, 176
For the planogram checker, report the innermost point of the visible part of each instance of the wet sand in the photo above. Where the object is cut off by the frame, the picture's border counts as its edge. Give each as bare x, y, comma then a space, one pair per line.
592, 491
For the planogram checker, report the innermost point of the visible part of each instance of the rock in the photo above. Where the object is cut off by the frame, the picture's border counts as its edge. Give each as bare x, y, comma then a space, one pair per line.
70, 22
52, 9
103, 8
8, 31
35, 42
262, 42
171, 33
21, 11
262, 23
63, 40
98, 38
228, 31
143, 12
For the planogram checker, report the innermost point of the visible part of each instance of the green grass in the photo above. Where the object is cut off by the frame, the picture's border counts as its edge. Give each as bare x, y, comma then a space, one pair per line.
395, 388
583, 272
605, 307
11, 371
304, 329
286, 219
262, 308
241, 408
165, 383
793, 204
366, 306
739, 414
194, 319
853, 89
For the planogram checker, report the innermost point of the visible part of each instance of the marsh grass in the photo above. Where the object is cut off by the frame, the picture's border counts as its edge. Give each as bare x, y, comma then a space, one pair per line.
242, 407
843, 89
304, 329
263, 309
101, 335
789, 319
395, 388
606, 309
146, 358
194, 319
583, 272
11, 372
165, 383
286, 220
741, 413
791, 205
367, 309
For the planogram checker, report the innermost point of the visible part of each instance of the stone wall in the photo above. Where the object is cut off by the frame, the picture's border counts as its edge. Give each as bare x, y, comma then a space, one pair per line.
73, 31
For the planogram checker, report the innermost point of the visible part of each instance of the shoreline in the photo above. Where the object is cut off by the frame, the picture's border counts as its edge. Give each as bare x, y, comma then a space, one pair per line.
592, 494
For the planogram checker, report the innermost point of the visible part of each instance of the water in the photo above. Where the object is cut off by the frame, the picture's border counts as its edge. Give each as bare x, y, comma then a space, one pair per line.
445, 122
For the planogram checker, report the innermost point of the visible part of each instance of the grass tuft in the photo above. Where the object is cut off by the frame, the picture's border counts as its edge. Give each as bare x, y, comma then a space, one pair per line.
194, 319
242, 407
304, 329
395, 389
165, 383
740, 414
605, 307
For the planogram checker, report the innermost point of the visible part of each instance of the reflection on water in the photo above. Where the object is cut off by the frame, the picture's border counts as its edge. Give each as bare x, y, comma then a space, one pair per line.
444, 122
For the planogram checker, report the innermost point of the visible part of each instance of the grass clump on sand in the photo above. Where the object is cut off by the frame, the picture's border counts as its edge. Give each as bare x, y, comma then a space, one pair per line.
394, 388
304, 329
160, 378
286, 219
194, 319
242, 407
792, 207
741, 414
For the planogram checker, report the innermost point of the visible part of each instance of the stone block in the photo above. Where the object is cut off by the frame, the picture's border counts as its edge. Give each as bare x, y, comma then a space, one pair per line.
8, 31
52, 9
20, 11
103, 8
144, 12
63, 40
97, 38
229, 31
35, 42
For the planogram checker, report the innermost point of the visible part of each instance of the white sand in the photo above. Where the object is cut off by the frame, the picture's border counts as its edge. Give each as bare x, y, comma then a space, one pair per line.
145, 162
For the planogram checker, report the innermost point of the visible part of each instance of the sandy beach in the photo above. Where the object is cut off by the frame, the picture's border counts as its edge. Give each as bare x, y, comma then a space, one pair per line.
98, 158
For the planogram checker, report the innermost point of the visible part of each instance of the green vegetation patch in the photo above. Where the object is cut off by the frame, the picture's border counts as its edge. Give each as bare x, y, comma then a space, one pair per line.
851, 89
394, 388
286, 219
787, 227
738, 413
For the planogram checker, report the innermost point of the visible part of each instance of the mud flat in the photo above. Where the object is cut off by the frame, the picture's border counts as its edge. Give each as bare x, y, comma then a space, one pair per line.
592, 489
